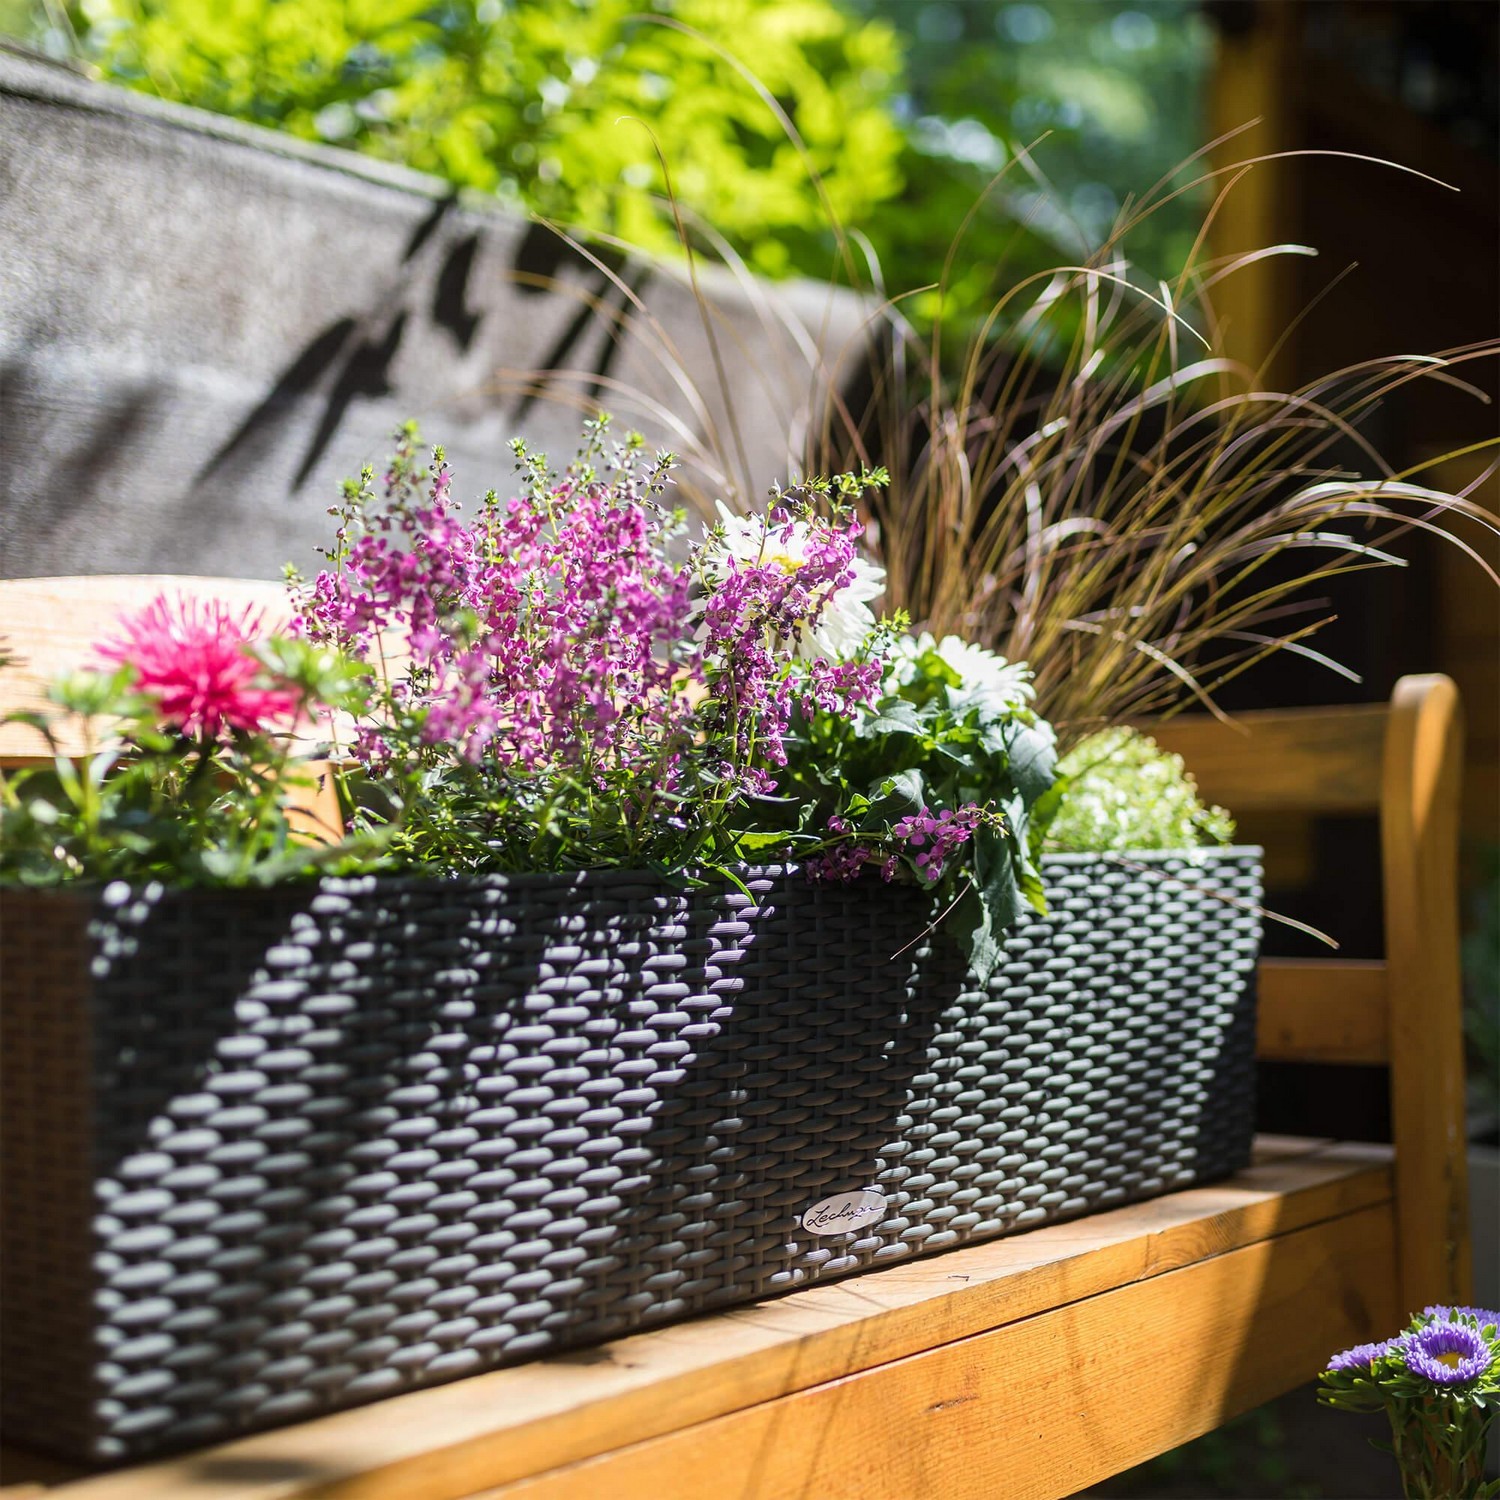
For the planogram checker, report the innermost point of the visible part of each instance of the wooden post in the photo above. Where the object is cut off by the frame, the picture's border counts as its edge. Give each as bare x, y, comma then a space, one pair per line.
1419, 853
1254, 83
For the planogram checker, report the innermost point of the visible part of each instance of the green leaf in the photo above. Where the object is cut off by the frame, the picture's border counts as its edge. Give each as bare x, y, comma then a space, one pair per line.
725, 873
957, 752
220, 864
936, 669
39, 722
896, 797
999, 869
1045, 809
894, 716
971, 927
1032, 753
751, 843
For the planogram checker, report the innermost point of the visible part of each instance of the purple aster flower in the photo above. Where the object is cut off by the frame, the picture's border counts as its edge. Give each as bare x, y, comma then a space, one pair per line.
1483, 1316
1448, 1353
1362, 1356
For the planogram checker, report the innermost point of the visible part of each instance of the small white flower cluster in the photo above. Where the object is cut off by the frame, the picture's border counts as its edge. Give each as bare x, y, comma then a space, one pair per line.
1127, 793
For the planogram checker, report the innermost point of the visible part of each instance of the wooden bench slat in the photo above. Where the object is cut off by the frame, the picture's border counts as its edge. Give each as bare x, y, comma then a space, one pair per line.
503, 1427
1315, 760
1323, 1010
1040, 1408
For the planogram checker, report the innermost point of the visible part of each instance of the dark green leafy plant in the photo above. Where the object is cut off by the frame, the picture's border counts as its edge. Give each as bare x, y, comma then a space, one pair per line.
953, 730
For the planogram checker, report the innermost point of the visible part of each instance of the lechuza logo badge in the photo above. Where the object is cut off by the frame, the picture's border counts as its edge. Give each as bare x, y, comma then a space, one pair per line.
844, 1212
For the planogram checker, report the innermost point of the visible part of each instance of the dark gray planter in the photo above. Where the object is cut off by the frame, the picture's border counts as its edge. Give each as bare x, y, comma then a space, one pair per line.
268, 1154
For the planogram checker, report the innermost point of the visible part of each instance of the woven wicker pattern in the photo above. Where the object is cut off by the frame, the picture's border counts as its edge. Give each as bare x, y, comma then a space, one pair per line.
352, 1140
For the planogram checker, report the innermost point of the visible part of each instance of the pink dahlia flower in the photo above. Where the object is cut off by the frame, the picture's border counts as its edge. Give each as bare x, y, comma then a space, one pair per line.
192, 658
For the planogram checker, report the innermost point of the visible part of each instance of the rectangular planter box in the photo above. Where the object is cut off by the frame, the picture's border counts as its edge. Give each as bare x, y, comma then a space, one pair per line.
271, 1153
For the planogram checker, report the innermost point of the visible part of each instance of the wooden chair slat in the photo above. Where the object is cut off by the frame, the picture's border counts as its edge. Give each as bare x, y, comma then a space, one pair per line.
1285, 760
1419, 824
1323, 1010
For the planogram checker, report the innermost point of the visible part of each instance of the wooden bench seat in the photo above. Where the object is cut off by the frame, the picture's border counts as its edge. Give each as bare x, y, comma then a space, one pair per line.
1029, 1366
1056, 1357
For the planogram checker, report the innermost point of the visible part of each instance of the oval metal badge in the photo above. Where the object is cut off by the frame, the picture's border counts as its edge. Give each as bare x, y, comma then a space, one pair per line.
844, 1212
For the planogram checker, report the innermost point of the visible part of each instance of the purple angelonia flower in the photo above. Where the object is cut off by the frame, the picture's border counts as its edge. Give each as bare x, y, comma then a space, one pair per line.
934, 838
553, 641
1448, 1353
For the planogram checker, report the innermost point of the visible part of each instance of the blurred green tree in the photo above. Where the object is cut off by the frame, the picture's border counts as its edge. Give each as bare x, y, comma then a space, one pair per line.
1111, 93
540, 101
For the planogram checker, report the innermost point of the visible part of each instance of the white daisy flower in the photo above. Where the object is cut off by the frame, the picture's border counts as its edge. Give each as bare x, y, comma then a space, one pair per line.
1001, 686
846, 619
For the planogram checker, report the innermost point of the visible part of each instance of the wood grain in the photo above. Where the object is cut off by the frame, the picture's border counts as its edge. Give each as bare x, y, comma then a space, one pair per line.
1285, 760
1253, 106
493, 1429
1322, 1010
1036, 1409
1419, 856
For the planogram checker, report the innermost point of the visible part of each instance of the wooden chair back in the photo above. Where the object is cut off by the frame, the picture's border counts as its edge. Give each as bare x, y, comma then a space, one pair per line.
1401, 762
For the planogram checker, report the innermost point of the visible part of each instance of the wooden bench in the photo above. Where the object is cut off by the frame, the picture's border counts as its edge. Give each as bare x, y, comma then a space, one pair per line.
1030, 1366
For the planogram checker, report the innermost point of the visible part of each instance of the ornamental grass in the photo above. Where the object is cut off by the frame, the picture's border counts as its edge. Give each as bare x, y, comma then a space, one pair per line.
1085, 480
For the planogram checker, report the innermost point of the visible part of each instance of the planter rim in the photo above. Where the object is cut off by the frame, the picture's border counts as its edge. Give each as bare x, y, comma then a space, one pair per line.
599, 875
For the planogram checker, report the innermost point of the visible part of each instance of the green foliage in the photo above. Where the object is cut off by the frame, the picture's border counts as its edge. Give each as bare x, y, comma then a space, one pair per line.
546, 688
541, 102
1118, 790
939, 739
910, 109
1110, 92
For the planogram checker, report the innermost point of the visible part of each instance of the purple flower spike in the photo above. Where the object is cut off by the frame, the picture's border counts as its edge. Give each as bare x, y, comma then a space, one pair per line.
1362, 1356
1448, 1353
937, 837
